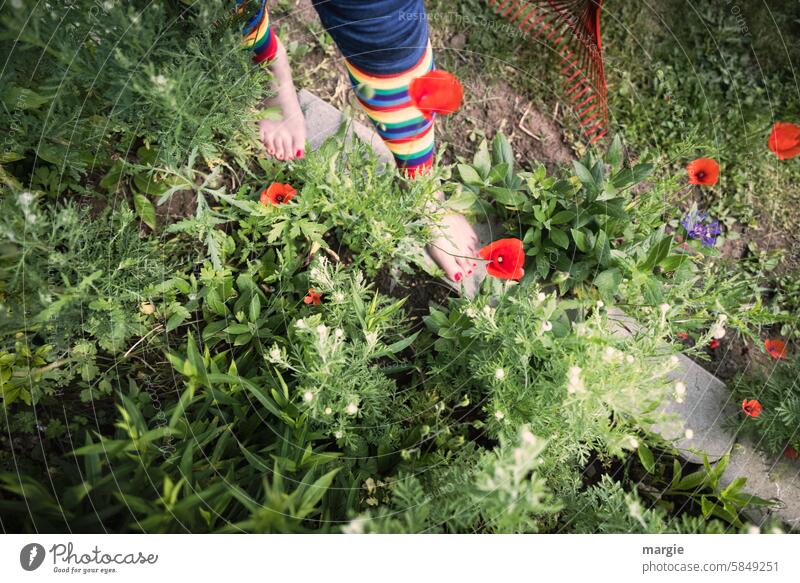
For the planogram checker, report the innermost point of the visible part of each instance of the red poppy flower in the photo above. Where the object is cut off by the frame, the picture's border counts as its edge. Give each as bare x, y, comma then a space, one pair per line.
714, 344
703, 171
751, 408
313, 297
784, 140
436, 92
776, 348
505, 257
791, 453
277, 193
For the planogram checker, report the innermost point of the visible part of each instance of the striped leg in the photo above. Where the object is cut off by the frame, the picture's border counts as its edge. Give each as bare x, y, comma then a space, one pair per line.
258, 33
409, 136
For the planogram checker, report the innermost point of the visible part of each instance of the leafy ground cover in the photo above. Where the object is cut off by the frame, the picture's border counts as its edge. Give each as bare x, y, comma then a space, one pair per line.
238, 360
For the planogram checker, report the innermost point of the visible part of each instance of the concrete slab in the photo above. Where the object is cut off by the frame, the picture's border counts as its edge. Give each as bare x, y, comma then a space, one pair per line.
323, 121
779, 478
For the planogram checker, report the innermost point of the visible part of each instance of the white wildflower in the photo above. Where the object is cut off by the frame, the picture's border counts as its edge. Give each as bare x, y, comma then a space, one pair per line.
371, 338
688, 434
547, 326
664, 309
575, 384
633, 443
717, 331
328, 411
541, 296
337, 434
610, 354
499, 415
355, 526
680, 391
499, 374
471, 312
338, 333
275, 354
338, 296
301, 324
308, 396
351, 408
600, 304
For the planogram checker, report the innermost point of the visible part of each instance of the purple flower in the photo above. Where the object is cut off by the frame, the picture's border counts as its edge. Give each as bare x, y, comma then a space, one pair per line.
698, 226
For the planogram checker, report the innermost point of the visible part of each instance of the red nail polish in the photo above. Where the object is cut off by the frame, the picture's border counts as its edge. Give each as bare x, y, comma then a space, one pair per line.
299, 153
457, 276
469, 272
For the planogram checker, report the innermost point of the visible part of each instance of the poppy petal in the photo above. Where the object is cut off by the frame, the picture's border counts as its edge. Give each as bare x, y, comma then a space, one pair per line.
784, 140
436, 92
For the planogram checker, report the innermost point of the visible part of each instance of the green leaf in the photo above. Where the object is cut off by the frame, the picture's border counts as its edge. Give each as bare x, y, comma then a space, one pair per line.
580, 240
559, 237
469, 175
602, 248
145, 210
607, 282
498, 173
482, 161
657, 254
646, 457
255, 308
690, 482
583, 174
614, 155
501, 152
402, 344
507, 197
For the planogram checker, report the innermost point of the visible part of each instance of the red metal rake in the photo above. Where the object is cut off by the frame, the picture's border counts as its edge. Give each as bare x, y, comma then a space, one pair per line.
572, 27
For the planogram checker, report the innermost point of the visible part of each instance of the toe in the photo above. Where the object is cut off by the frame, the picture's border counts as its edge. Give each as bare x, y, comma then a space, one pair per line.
288, 152
448, 263
269, 144
465, 265
279, 149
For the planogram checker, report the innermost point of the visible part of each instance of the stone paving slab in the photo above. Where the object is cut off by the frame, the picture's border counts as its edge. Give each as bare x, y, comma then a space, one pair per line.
707, 403
779, 479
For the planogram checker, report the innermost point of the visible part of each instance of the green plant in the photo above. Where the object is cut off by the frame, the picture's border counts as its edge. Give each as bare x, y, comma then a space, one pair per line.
775, 430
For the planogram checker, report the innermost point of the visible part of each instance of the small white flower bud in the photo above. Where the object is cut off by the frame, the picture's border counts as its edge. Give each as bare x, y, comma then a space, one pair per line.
499, 374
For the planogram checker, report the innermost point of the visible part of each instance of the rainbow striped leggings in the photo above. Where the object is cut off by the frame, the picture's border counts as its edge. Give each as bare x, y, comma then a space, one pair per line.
385, 45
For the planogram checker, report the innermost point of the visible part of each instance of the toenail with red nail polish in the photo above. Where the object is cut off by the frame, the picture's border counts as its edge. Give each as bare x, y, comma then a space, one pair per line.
457, 276
299, 153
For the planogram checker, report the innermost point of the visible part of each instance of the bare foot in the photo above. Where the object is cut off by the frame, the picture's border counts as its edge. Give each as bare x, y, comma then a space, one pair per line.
284, 138
454, 245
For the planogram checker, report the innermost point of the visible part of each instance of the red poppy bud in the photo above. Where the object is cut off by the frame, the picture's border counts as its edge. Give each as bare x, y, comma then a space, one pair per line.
791, 453
436, 92
714, 344
784, 140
